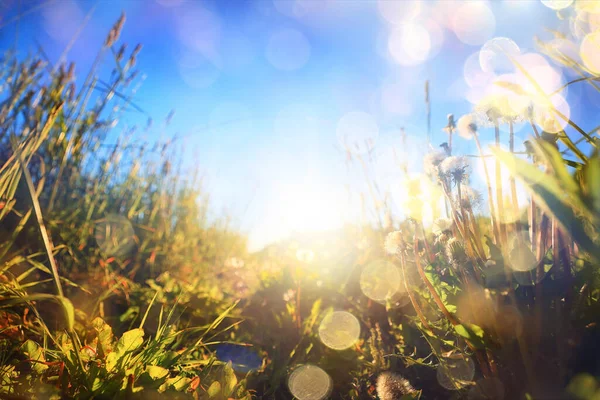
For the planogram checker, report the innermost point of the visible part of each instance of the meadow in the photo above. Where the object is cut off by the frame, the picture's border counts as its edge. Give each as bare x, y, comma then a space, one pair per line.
115, 283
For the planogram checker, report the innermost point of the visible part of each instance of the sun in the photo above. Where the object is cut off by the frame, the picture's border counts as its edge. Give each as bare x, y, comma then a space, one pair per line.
300, 207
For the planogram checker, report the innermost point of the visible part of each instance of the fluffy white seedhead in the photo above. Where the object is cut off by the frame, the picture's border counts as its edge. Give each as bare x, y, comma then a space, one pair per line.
393, 242
432, 161
391, 386
466, 126
456, 167
470, 197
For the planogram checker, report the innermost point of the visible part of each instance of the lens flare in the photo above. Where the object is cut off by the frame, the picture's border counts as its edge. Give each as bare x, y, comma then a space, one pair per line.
455, 373
474, 23
339, 330
473, 74
495, 55
409, 44
589, 51
115, 236
380, 280
487, 389
552, 116
309, 382
557, 4
399, 12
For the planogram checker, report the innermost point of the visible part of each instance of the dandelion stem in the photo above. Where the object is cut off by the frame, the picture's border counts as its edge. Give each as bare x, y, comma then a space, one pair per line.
486, 173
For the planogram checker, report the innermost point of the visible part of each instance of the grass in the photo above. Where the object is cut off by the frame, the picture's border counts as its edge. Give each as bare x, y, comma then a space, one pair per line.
115, 284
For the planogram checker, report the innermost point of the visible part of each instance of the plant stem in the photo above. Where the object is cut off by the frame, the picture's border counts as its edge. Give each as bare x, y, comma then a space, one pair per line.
513, 186
411, 296
489, 190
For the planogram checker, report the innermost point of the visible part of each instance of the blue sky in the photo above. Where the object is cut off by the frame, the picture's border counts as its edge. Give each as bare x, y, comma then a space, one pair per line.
260, 88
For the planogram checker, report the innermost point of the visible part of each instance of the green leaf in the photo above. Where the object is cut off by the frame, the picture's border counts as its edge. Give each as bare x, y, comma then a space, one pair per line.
472, 333
35, 353
68, 310
130, 341
153, 376
583, 386
214, 390
592, 182
550, 197
178, 383
155, 372
105, 337
229, 379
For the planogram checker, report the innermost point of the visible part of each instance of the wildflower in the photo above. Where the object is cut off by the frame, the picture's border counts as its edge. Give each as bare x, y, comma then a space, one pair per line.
470, 198
455, 252
391, 386
289, 295
441, 224
432, 161
393, 242
466, 126
456, 167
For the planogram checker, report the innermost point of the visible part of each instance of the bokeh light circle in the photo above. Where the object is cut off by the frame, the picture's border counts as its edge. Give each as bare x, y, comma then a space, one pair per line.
487, 389
495, 55
288, 50
474, 22
380, 280
196, 70
357, 131
521, 257
509, 323
115, 236
589, 51
309, 382
339, 330
455, 373
546, 117
473, 74
557, 4
398, 300
409, 44
399, 12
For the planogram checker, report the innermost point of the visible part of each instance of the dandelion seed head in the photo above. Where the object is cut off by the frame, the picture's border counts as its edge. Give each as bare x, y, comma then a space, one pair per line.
451, 122
467, 126
455, 252
432, 161
391, 386
470, 198
456, 167
393, 242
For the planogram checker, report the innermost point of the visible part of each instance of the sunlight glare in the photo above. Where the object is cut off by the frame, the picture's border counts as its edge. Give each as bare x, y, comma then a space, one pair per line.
357, 132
